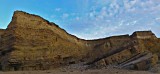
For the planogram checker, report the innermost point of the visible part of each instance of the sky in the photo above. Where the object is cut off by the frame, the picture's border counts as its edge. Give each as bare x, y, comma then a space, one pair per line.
90, 19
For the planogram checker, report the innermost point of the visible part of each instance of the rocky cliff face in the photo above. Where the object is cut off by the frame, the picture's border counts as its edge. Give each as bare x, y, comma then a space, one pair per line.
33, 43
30, 42
1, 31
132, 52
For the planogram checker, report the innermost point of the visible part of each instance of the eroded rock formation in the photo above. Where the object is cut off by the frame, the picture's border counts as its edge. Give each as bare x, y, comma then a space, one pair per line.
33, 43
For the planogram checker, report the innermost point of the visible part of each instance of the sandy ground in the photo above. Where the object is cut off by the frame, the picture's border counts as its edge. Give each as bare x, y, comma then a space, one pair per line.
102, 71
74, 69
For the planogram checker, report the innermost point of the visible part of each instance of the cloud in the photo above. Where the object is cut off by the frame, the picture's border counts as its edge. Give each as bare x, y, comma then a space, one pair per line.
65, 15
157, 19
77, 18
52, 16
58, 9
111, 17
129, 6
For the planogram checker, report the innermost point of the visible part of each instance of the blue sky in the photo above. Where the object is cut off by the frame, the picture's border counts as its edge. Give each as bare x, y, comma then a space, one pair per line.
90, 19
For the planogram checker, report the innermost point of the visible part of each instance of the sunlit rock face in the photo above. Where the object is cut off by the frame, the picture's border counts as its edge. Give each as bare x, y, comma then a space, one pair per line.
33, 43
144, 35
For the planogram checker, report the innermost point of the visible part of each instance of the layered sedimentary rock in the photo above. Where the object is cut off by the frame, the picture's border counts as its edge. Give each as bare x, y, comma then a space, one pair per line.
132, 52
33, 43
30, 42
144, 35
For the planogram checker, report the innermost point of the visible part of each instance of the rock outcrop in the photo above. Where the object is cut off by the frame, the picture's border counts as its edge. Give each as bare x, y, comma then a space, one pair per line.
131, 52
33, 43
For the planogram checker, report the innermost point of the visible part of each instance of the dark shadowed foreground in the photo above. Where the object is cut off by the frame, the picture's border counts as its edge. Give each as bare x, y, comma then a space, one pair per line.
102, 71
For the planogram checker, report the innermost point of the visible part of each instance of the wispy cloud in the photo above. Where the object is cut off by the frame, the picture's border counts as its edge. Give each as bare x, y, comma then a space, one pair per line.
58, 9
122, 17
157, 19
65, 15
103, 18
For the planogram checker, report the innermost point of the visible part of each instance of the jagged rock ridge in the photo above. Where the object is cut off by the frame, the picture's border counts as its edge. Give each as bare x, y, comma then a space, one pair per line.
33, 43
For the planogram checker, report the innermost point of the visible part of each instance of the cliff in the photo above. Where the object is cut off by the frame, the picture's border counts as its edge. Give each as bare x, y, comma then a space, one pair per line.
33, 43
1, 31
